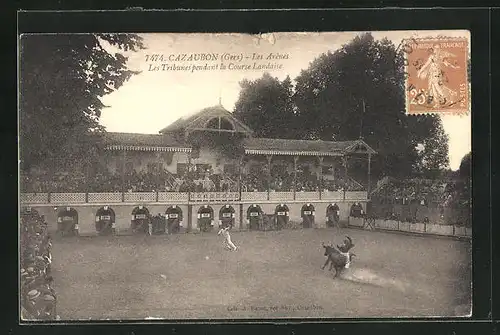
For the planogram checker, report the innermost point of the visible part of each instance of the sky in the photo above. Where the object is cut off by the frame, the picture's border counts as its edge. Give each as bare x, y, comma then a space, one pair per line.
161, 94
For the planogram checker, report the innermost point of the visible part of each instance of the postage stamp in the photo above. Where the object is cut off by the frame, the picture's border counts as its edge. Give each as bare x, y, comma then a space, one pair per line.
437, 76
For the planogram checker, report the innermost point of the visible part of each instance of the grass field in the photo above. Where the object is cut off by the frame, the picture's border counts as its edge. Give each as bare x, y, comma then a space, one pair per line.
273, 274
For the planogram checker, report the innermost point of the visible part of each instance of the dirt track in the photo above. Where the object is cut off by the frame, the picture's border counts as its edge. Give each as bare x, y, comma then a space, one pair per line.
273, 274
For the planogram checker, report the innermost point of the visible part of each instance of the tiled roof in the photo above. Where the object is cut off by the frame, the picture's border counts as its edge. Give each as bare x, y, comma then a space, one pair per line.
260, 145
133, 141
200, 119
166, 142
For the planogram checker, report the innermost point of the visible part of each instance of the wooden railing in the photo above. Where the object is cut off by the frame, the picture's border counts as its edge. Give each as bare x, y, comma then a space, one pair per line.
184, 197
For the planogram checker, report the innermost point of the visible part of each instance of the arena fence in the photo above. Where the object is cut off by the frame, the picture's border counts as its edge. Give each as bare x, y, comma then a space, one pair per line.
419, 228
415, 212
185, 197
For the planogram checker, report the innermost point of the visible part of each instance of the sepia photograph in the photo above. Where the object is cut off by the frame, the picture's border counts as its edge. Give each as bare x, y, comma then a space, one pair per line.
185, 176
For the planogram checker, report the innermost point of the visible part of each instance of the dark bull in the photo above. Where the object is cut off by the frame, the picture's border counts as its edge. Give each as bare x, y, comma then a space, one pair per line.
308, 215
282, 216
174, 219
105, 221
254, 217
141, 220
332, 215
67, 222
338, 258
226, 217
205, 218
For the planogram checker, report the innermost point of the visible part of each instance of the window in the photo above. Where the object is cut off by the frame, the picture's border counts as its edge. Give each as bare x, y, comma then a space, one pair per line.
220, 123
225, 124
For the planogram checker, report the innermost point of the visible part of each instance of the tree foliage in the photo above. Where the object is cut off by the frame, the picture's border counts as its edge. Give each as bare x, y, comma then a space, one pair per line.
356, 91
62, 78
465, 166
266, 106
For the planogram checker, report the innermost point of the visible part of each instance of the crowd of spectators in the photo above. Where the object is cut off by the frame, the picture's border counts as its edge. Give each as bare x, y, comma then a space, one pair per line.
38, 298
192, 181
424, 191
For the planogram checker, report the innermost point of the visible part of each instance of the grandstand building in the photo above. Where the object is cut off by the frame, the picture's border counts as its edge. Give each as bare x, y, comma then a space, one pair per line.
213, 159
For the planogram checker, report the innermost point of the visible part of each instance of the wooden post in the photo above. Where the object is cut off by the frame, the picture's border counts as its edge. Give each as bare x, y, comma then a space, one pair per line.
320, 181
190, 219
241, 216
269, 158
240, 168
369, 175
189, 181
124, 156
344, 162
295, 160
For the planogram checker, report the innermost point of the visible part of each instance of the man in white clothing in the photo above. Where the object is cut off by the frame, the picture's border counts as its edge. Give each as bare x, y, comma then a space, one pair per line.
227, 238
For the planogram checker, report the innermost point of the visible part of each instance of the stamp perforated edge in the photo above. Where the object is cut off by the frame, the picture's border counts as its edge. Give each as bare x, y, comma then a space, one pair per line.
434, 111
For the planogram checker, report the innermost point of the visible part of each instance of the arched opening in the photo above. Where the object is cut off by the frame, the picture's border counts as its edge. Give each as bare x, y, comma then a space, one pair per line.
67, 221
140, 220
226, 216
174, 219
105, 221
308, 213
356, 210
332, 215
282, 213
205, 218
254, 217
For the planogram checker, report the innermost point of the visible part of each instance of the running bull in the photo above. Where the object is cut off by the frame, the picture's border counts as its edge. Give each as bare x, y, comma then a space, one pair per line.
340, 257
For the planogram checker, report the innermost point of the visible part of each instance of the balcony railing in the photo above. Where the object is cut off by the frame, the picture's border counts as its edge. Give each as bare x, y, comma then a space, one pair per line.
184, 197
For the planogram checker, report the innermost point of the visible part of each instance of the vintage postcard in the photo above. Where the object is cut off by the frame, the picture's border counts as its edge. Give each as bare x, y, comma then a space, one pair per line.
234, 176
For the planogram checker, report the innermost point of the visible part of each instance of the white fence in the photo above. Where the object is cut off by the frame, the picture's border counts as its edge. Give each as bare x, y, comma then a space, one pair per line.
184, 197
306, 195
139, 197
338, 195
253, 196
281, 196
105, 197
173, 197
356, 195
422, 228
214, 196
34, 198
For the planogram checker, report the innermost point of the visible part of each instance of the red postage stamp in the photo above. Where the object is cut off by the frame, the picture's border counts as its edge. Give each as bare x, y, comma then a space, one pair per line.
437, 76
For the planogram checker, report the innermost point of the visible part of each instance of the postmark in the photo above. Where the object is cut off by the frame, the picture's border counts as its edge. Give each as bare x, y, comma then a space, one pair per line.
436, 75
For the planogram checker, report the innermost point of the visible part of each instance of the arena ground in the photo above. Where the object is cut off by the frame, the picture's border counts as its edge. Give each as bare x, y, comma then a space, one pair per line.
273, 274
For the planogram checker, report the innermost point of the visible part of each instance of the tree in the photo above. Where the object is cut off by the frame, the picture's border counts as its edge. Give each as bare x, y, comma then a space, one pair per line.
432, 146
464, 170
266, 105
358, 91
62, 78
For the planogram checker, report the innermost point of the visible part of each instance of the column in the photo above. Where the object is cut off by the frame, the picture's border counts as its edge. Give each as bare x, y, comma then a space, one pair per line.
189, 176
344, 162
320, 181
240, 168
124, 157
369, 174
269, 158
295, 160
